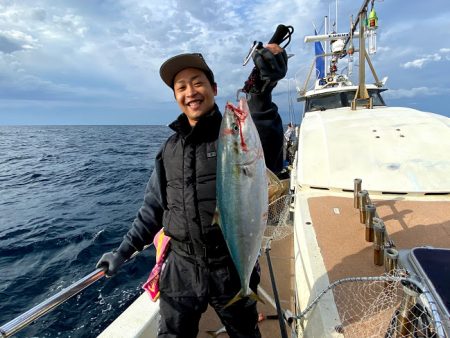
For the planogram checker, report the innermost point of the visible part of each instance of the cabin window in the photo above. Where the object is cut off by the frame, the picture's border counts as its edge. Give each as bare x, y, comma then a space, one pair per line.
338, 100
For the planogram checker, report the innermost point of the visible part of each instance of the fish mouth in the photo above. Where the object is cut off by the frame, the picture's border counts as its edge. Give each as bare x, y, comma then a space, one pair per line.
239, 114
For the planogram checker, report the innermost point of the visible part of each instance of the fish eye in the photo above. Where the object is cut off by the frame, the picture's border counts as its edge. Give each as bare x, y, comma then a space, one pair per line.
235, 127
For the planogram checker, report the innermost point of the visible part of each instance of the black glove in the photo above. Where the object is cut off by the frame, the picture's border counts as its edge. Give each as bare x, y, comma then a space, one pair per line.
272, 67
111, 262
269, 69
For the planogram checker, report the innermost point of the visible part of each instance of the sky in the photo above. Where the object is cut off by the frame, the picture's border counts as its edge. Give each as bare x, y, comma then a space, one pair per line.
97, 61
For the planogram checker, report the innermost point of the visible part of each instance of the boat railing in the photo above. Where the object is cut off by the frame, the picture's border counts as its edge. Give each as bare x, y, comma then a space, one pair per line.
26, 318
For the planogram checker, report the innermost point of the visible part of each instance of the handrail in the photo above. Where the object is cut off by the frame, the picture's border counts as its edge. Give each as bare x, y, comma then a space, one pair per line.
46, 306
23, 320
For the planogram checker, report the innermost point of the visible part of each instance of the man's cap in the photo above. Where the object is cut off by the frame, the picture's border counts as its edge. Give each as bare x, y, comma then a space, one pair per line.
176, 64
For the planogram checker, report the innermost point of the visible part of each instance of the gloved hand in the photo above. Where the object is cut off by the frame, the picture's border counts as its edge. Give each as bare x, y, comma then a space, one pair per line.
111, 262
271, 62
270, 67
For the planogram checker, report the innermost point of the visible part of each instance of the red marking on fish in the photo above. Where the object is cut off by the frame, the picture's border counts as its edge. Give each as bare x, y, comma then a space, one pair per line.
241, 117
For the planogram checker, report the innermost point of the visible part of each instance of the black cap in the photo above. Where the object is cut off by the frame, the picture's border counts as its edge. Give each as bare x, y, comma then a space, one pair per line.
176, 64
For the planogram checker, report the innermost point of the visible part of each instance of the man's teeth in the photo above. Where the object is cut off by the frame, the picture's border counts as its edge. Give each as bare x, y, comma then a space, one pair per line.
194, 104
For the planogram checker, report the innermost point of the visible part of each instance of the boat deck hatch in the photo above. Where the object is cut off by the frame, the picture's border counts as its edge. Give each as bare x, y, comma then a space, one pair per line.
433, 265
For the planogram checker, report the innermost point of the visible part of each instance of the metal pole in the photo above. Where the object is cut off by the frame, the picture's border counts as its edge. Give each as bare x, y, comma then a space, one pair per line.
41, 309
275, 294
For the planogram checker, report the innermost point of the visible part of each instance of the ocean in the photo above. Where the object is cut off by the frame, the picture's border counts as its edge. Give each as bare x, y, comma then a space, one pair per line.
67, 195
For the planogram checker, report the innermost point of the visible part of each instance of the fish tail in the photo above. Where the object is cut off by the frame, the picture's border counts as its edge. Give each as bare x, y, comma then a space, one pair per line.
216, 333
212, 334
239, 296
256, 298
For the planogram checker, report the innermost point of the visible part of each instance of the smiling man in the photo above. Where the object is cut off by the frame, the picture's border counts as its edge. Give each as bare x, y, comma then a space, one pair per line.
194, 93
181, 198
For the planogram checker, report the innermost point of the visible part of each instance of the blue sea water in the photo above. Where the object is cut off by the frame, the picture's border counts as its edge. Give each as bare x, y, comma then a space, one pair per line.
67, 195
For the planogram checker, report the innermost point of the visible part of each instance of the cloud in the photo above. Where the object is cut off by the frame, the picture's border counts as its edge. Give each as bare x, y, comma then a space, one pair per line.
418, 63
416, 92
111, 50
12, 41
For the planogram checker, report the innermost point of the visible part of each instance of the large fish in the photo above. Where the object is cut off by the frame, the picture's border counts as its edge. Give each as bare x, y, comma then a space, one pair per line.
242, 197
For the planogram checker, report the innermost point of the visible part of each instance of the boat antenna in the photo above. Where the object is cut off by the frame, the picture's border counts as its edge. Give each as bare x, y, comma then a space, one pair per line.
336, 20
326, 46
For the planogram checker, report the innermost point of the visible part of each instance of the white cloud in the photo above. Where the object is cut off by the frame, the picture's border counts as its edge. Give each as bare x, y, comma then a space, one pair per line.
416, 92
418, 63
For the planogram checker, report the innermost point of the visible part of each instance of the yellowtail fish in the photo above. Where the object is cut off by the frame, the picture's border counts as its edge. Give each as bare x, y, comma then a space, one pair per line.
242, 197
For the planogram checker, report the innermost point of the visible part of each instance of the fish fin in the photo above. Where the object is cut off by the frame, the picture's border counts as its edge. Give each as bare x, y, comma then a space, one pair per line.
239, 296
216, 217
234, 300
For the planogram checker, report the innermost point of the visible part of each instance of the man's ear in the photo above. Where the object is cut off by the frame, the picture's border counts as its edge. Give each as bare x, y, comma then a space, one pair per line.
214, 86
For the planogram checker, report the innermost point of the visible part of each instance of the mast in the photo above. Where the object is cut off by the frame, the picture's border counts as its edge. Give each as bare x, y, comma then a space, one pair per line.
361, 92
337, 16
326, 47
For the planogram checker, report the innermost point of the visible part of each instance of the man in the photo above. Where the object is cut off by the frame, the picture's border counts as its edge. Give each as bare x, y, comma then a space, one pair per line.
181, 197
290, 143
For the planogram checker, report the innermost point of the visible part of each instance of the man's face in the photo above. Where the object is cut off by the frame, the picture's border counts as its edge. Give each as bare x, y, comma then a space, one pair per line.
194, 93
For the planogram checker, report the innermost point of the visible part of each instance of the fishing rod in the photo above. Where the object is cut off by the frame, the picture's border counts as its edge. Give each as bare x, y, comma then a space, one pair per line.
282, 33
23, 320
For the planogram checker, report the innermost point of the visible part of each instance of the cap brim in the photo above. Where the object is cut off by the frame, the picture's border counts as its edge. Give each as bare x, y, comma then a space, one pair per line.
176, 64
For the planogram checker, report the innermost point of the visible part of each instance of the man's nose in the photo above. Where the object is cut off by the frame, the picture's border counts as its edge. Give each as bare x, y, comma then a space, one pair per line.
191, 91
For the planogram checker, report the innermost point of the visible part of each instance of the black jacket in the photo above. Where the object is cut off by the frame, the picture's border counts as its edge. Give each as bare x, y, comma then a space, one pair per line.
180, 194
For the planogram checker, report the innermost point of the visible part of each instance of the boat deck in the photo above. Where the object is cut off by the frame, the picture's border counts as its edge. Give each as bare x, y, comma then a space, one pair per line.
331, 245
341, 236
282, 258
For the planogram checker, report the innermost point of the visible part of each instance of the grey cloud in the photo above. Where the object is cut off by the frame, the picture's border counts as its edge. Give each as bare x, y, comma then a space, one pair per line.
38, 14
204, 10
9, 46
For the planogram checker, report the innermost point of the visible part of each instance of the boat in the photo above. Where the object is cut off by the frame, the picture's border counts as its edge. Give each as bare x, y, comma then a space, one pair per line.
370, 190
362, 246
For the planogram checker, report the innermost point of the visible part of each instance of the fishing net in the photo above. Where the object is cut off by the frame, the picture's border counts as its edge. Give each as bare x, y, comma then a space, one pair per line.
279, 224
387, 306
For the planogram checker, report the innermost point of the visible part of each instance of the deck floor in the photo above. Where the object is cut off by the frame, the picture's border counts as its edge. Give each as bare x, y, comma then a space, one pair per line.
341, 236
282, 258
